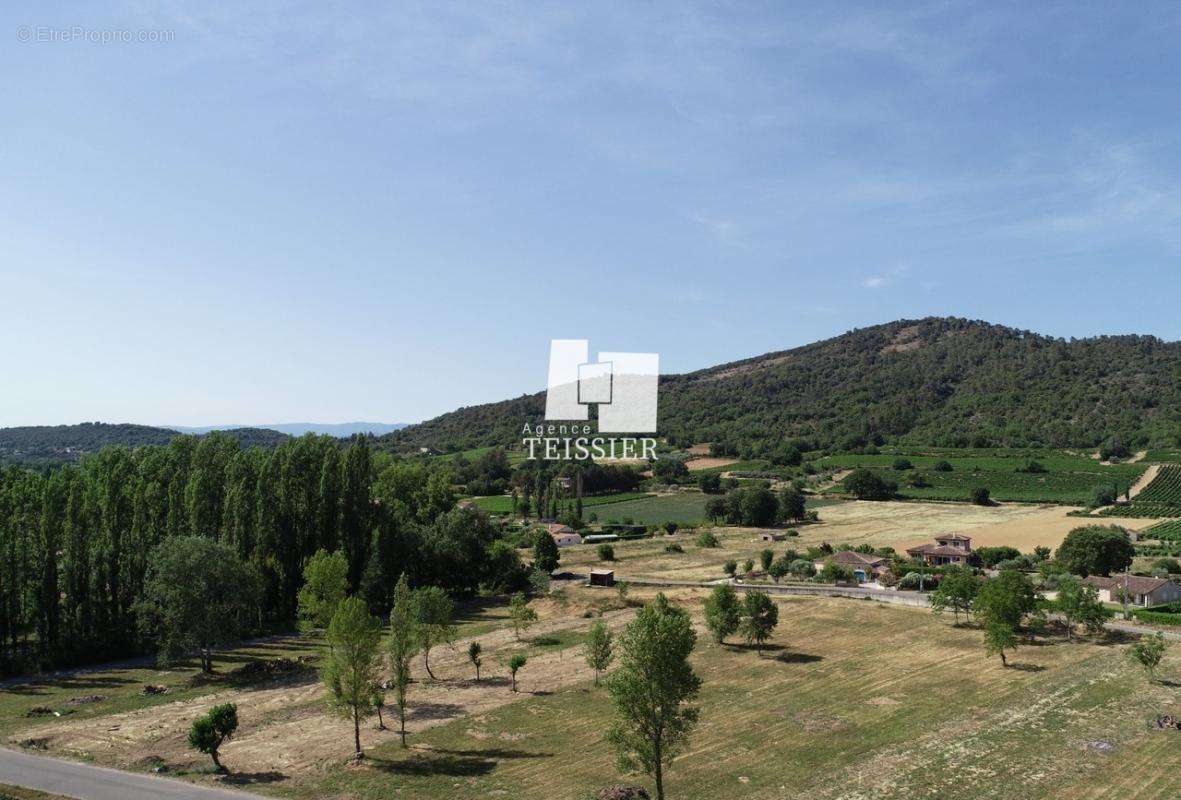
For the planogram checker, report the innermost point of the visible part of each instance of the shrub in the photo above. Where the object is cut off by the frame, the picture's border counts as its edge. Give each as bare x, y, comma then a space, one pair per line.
1167, 565
981, 496
865, 484
1103, 496
902, 464
211, 730
606, 552
942, 466
673, 547
730, 568
707, 539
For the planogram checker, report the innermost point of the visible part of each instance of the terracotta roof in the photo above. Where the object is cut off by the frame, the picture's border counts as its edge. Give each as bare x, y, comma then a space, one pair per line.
1135, 584
954, 537
937, 550
854, 558
557, 527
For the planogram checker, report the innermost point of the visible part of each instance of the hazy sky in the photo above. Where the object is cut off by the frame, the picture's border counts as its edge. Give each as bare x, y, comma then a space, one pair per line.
330, 211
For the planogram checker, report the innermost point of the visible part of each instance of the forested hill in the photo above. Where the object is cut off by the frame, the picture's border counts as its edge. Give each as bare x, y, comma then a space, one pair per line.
935, 381
47, 444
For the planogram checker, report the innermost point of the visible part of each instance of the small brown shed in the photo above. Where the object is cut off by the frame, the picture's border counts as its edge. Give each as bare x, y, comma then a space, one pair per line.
602, 577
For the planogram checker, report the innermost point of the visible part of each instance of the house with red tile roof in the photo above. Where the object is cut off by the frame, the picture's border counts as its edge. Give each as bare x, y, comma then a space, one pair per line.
865, 566
951, 548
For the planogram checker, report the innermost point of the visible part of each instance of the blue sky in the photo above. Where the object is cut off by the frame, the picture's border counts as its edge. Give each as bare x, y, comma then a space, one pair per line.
331, 211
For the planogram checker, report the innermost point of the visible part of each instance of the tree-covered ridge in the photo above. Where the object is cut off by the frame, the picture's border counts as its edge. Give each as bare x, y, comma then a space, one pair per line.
47, 444
936, 381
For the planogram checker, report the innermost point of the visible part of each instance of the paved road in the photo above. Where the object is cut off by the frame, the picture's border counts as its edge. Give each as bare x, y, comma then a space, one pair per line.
87, 782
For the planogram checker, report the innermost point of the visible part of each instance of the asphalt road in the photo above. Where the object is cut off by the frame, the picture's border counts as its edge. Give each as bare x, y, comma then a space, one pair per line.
87, 782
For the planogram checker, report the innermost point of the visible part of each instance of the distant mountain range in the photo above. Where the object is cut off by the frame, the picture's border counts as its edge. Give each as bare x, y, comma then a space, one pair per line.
340, 429
54, 444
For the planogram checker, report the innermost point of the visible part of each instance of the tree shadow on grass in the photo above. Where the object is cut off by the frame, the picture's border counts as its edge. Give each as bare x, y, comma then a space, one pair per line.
251, 778
420, 711
754, 648
456, 763
76, 684
798, 658
1027, 667
1116, 638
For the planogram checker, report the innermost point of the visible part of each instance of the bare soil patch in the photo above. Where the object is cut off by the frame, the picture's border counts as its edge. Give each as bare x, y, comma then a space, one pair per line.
286, 732
696, 464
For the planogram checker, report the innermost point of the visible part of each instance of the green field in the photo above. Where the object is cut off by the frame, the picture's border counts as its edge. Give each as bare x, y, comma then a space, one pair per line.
1006, 485
501, 503
684, 508
1001, 460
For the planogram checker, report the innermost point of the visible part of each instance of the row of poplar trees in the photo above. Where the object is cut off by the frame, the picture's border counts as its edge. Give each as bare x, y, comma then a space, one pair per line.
75, 541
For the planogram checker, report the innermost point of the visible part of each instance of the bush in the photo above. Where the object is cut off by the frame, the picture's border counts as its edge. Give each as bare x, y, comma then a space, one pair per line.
1033, 467
673, 547
1103, 496
942, 466
730, 568
981, 496
865, 484
991, 556
902, 464
1167, 565
210, 731
606, 552
707, 539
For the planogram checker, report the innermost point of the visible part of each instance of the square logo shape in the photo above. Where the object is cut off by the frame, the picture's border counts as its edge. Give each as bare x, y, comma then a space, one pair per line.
594, 382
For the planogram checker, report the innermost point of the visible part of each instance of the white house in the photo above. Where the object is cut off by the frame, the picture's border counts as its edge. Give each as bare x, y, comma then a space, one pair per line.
563, 535
1141, 591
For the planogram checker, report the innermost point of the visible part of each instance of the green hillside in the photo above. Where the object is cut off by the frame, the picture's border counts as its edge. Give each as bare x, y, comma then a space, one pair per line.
53, 444
937, 382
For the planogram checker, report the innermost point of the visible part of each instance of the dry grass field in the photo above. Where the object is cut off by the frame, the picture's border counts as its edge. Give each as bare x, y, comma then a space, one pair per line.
881, 524
852, 700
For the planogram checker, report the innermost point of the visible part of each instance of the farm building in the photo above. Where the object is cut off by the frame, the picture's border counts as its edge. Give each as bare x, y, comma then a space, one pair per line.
951, 548
773, 536
602, 577
1141, 591
563, 535
865, 567
594, 538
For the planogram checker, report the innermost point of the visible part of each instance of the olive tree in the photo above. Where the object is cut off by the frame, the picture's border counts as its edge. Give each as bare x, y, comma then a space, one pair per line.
210, 730
1149, 652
